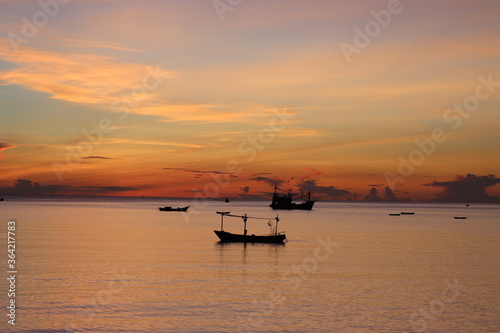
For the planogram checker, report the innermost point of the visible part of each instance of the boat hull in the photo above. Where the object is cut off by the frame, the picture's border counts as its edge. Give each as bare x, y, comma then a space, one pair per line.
227, 237
308, 205
170, 209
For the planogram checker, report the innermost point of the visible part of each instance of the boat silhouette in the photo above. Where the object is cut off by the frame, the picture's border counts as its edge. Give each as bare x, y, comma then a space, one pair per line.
170, 209
274, 236
285, 200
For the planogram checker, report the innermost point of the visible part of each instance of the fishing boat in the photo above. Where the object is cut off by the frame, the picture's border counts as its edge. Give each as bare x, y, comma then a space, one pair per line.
170, 209
460, 217
407, 213
274, 236
286, 200
394, 214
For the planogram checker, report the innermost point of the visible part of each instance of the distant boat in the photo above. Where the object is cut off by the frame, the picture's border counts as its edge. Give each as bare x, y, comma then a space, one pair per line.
274, 236
285, 200
170, 209
227, 200
394, 214
460, 217
407, 213
1, 199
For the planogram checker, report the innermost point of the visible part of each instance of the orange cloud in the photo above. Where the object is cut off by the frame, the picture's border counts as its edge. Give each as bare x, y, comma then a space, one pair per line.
184, 145
204, 113
79, 78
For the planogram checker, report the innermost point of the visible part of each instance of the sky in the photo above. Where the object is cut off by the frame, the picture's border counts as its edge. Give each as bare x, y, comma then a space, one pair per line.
369, 100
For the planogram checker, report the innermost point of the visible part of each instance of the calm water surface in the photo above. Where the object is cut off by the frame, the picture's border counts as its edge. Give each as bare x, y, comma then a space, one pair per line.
120, 265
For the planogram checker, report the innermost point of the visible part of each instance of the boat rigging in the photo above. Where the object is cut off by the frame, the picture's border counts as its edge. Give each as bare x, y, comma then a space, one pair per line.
273, 237
285, 200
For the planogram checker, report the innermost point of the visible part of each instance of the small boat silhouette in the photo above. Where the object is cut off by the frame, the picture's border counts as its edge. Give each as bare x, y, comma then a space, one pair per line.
170, 209
394, 214
460, 217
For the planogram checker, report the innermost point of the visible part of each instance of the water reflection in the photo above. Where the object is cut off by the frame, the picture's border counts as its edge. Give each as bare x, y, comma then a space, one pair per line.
228, 251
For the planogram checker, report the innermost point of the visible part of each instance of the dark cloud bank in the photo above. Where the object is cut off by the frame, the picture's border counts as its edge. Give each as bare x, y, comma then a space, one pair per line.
25, 187
469, 188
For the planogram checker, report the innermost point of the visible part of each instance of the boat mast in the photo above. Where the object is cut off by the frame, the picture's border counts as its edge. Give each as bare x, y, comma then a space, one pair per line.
276, 227
222, 219
244, 224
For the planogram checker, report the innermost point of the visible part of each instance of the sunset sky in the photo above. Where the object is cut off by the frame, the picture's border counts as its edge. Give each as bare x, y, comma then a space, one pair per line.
163, 98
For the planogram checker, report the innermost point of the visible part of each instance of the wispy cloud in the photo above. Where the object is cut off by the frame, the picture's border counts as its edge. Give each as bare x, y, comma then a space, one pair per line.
4, 146
96, 157
87, 44
92, 78
79, 78
197, 171
186, 145
204, 113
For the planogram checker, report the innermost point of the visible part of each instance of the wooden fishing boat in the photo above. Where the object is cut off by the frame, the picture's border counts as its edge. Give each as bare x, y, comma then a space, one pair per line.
227, 237
274, 236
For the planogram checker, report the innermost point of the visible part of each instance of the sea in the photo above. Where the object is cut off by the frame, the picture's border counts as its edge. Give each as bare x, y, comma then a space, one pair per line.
107, 264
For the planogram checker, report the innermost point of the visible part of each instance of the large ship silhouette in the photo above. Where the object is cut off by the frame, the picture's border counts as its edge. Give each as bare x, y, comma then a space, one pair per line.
285, 200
